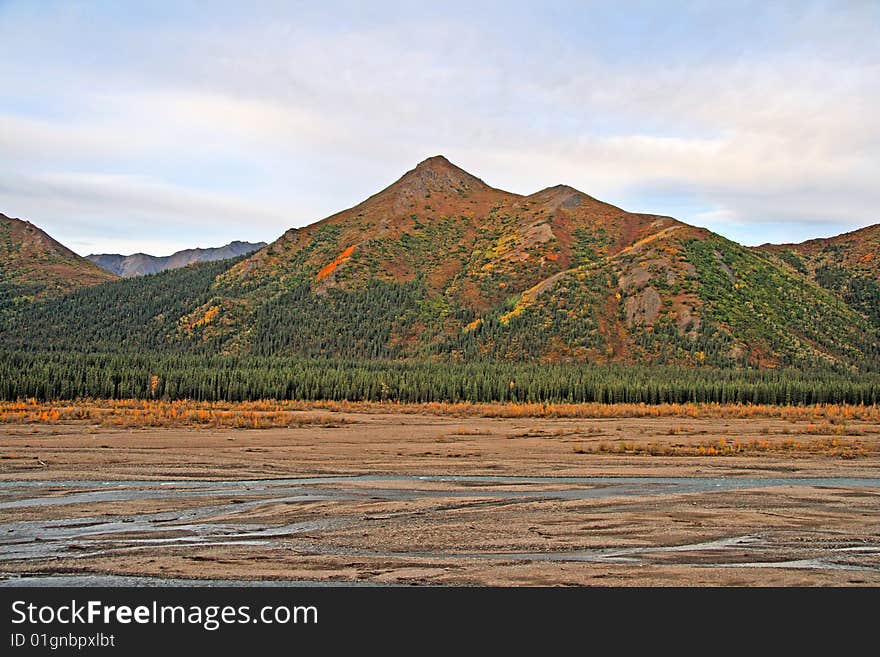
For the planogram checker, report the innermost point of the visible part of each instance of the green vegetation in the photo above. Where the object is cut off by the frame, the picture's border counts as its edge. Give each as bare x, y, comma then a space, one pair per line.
54, 375
125, 339
361, 323
135, 314
792, 259
590, 245
9, 295
859, 292
774, 312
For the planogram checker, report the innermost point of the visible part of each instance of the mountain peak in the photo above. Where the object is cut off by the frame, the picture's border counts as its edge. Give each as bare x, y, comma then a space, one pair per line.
438, 175
435, 162
568, 197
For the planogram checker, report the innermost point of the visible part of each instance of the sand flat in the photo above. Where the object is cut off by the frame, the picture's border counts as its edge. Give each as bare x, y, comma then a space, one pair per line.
400, 499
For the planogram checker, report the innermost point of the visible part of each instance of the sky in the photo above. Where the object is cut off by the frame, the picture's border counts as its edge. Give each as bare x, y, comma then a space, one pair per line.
156, 126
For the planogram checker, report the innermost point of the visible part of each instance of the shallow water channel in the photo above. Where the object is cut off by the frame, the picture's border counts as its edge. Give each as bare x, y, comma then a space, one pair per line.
213, 522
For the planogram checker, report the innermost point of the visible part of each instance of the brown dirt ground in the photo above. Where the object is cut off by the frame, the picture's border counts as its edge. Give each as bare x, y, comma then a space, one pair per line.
450, 539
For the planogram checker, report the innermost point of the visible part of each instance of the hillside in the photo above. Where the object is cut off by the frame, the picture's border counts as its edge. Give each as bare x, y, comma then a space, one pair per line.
439, 266
141, 264
35, 266
136, 315
847, 265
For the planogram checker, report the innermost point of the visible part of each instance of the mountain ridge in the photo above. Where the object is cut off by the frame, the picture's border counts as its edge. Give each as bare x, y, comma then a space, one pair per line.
848, 265
141, 264
557, 275
441, 266
871, 232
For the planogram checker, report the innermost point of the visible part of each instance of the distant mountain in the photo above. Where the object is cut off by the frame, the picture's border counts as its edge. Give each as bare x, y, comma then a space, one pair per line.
35, 266
141, 264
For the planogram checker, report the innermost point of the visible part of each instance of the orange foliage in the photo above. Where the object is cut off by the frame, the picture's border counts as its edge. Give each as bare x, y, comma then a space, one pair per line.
848, 450
209, 316
342, 257
185, 413
822, 419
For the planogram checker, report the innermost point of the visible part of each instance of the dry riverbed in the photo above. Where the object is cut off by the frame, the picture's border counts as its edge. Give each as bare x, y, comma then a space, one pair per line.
409, 498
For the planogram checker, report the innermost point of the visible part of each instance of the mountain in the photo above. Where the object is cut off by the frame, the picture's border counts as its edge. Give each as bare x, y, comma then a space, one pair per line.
440, 266
847, 265
141, 264
35, 266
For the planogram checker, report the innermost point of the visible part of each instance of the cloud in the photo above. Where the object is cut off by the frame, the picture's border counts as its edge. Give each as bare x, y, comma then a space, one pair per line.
141, 196
735, 115
91, 212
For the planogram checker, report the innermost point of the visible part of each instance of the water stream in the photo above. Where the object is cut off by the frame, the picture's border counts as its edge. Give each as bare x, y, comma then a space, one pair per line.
212, 522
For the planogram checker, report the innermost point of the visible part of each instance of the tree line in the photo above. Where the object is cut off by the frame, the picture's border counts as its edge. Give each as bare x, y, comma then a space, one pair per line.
60, 375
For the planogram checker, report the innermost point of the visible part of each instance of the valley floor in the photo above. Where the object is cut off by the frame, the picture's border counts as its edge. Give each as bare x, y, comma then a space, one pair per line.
371, 496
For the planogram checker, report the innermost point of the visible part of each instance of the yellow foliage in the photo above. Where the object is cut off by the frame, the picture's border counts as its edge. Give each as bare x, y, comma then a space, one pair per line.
209, 316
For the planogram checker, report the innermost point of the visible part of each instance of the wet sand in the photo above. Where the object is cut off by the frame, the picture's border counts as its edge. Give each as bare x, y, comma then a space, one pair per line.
411, 499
